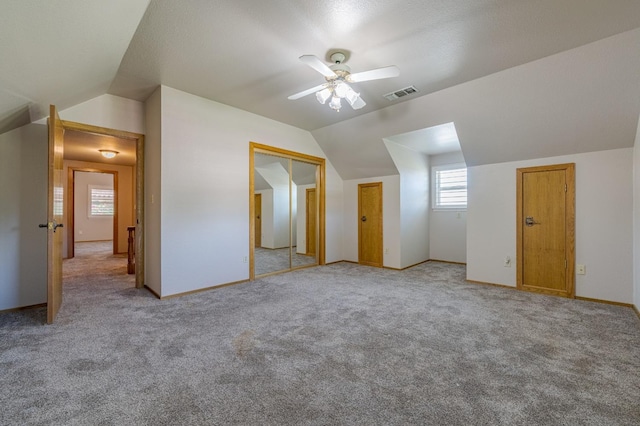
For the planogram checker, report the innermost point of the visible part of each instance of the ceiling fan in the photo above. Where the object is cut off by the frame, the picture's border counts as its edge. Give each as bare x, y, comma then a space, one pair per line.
338, 77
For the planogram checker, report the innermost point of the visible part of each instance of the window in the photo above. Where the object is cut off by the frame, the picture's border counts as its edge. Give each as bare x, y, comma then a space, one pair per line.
449, 187
100, 201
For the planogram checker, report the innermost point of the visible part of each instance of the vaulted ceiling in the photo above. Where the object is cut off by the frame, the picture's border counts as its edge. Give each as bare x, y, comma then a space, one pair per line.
517, 78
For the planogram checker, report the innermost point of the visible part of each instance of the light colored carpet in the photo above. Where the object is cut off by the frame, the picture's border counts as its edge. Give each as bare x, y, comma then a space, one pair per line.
339, 344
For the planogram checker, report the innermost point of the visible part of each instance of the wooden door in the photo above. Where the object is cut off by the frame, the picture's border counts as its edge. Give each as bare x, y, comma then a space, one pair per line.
546, 229
370, 224
55, 208
311, 221
258, 219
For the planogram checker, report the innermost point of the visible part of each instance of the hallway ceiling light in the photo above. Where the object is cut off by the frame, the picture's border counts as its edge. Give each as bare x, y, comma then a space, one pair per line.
108, 153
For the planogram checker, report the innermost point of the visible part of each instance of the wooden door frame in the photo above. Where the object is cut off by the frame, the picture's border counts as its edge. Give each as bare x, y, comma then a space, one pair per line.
570, 220
71, 203
254, 148
139, 190
380, 226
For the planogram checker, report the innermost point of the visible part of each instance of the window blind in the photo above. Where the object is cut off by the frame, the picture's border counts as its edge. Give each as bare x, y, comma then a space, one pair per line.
451, 188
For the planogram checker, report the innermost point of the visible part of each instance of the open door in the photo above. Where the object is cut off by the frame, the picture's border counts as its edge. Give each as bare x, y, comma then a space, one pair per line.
55, 204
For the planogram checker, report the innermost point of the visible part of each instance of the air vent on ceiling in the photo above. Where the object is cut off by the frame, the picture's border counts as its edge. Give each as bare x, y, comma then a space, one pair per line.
400, 93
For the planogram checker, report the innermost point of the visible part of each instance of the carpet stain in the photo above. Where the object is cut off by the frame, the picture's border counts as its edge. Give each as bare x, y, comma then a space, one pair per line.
83, 366
244, 343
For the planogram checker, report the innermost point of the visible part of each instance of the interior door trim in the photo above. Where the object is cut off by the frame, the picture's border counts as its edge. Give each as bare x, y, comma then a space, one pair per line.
139, 189
255, 147
570, 215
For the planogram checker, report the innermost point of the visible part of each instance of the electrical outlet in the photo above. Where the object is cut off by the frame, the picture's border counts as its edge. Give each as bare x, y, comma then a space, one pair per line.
581, 269
244, 259
507, 262
386, 251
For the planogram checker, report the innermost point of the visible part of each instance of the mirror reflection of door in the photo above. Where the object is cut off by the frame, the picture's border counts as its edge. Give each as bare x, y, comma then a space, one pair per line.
311, 221
285, 213
258, 220
303, 177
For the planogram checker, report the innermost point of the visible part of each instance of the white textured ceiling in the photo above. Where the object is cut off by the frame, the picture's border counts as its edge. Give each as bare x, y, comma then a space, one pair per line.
245, 54
60, 53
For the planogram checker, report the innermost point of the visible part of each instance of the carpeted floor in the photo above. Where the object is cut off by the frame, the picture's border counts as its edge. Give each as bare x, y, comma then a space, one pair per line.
339, 344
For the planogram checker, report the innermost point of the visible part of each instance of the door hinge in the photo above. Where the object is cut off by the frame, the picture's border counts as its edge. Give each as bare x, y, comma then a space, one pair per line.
565, 187
565, 264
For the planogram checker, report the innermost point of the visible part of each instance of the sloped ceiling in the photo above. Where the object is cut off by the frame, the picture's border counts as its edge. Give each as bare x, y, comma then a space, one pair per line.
60, 53
583, 100
245, 54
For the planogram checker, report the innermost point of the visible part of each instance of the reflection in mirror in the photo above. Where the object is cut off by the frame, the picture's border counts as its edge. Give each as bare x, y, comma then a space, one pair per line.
304, 214
272, 219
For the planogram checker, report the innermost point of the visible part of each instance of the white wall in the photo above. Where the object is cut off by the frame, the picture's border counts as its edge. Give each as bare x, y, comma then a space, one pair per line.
636, 220
391, 235
205, 189
112, 112
448, 229
414, 203
90, 228
603, 222
23, 201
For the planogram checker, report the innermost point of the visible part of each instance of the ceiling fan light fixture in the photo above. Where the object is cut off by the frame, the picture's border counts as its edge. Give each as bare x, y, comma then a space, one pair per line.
335, 103
323, 95
337, 77
108, 153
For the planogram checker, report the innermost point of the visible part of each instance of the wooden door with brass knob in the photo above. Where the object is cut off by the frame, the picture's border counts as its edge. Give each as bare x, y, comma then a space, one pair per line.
546, 229
370, 224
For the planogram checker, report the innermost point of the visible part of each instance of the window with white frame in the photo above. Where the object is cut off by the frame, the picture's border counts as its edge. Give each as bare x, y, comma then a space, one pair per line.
449, 187
101, 203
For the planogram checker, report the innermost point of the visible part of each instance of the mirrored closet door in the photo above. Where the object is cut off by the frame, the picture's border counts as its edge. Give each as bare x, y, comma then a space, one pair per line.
286, 210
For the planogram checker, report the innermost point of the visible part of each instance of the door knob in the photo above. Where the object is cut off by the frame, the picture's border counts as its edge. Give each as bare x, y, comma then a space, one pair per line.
529, 221
51, 225
363, 218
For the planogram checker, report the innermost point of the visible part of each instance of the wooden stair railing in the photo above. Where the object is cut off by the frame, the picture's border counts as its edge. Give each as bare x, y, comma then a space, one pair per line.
131, 251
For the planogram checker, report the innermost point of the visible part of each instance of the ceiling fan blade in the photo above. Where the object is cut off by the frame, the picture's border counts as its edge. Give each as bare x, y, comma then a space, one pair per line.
358, 103
317, 65
307, 92
376, 74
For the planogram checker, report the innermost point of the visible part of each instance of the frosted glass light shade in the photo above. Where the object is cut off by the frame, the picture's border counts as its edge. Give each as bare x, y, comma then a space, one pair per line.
323, 95
351, 96
108, 153
335, 103
341, 89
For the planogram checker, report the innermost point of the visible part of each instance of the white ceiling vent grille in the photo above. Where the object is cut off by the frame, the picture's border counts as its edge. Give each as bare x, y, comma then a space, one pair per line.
400, 93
